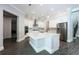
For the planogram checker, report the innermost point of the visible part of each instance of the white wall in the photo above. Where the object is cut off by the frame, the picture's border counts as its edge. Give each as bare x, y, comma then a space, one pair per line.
42, 24
20, 28
29, 22
70, 26
1, 29
74, 18
7, 27
53, 23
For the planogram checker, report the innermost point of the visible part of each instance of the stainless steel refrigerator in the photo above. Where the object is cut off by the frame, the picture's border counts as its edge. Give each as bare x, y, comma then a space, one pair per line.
62, 29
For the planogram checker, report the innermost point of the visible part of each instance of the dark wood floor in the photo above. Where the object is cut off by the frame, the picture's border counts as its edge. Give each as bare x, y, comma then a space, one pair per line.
23, 48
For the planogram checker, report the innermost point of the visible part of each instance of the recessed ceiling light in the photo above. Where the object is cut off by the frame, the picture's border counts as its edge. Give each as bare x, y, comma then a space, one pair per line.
52, 9
48, 16
42, 15
41, 4
33, 12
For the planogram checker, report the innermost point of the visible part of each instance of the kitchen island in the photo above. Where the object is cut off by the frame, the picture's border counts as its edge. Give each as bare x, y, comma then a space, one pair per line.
44, 41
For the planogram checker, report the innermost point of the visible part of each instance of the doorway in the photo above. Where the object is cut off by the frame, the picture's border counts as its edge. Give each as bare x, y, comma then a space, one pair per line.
14, 28
74, 17
9, 27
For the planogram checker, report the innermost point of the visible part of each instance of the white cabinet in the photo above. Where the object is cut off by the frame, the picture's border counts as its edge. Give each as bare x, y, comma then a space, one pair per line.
52, 42
44, 41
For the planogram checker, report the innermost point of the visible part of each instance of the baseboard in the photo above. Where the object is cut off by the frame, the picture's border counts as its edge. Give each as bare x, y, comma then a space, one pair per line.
1, 48
21, 39
77, 35
69, 41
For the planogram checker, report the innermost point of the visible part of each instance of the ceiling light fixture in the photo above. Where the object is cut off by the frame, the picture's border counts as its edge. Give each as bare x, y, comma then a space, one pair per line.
41, 4
33, 12
52, 9
48, 16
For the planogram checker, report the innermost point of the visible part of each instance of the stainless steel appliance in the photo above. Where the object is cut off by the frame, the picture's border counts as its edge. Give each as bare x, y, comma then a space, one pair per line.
62, 29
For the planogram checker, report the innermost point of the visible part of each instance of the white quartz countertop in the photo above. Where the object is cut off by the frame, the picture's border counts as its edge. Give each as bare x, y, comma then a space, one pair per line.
37, 34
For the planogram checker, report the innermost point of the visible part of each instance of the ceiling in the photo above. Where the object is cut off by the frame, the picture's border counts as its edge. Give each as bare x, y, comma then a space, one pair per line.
43, 9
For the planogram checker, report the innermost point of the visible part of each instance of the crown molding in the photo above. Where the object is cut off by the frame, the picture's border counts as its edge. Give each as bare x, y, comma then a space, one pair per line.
17, 8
